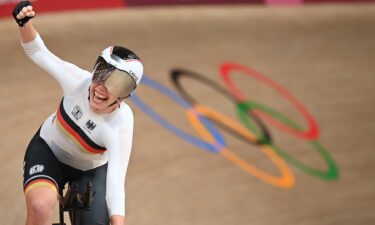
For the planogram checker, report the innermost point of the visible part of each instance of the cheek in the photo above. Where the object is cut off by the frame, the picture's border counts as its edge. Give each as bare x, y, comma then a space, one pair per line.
112, 98
92, 88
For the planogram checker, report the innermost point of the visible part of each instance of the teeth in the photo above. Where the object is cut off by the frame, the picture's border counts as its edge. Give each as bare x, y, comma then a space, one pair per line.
99, 95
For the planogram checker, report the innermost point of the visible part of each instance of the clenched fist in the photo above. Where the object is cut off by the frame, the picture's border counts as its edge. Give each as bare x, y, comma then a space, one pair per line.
23, 12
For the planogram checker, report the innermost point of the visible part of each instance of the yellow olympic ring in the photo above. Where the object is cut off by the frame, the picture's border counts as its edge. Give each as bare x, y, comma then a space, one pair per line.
286, 180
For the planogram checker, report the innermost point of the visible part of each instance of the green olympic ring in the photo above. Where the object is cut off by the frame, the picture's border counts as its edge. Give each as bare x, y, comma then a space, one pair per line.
243, 108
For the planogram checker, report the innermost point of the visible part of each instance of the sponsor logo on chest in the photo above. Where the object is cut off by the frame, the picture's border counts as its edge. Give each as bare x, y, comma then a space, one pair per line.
77, 112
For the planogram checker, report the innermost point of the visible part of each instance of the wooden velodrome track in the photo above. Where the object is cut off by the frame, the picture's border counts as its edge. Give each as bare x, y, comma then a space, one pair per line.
323, 55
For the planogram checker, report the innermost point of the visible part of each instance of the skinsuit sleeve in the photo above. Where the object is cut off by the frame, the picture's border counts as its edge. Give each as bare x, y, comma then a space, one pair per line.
68, 75
119, 150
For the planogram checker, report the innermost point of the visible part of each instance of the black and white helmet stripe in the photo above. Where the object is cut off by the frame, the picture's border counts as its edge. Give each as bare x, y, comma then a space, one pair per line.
125, 61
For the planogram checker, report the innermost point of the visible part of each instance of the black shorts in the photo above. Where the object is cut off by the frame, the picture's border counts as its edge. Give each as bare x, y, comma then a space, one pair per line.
42, 168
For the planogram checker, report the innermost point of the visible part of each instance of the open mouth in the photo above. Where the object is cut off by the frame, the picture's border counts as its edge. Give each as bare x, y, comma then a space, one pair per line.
100, 98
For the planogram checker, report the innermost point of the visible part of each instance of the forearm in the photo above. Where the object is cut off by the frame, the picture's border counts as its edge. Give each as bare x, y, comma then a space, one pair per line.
27, 32
117, 220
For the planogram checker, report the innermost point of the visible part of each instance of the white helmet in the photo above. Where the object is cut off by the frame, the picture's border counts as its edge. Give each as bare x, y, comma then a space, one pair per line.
120, 69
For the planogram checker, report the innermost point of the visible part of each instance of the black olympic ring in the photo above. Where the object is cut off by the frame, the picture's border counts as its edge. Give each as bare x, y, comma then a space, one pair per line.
175, 76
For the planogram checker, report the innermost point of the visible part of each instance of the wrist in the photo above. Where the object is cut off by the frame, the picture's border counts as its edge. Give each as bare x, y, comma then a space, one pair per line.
117, 220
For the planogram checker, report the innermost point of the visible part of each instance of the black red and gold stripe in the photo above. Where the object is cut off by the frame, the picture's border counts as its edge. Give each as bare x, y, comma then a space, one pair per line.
76, 133
41, 182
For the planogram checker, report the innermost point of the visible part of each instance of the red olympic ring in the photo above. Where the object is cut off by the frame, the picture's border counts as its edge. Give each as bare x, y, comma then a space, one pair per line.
313, 130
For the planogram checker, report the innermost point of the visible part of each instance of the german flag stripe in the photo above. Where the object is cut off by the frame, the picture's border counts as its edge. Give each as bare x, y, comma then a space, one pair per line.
40, 183
76, 133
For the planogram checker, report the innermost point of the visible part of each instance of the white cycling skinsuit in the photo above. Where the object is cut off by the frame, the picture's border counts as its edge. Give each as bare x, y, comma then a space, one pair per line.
77, 136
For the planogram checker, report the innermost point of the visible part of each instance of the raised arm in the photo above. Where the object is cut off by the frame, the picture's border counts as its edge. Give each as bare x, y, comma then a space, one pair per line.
68, 75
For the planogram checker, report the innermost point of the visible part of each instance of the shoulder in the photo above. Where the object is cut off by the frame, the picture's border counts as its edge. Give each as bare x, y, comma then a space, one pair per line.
82, 87
122, 118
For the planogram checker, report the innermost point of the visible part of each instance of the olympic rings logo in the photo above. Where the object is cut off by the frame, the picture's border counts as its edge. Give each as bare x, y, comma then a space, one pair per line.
250, 126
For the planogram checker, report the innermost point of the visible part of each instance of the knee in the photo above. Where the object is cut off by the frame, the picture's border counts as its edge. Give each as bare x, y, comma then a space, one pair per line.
40, 204
40, 209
